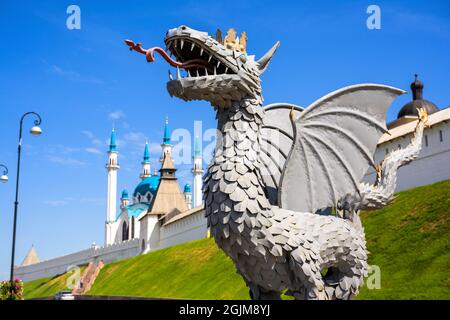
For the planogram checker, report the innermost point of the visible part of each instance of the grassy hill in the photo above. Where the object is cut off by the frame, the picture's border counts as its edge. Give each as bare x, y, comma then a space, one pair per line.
196, 270
408, 240
46, 287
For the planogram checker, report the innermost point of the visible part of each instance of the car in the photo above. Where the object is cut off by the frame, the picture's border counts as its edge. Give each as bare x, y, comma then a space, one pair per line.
64, 295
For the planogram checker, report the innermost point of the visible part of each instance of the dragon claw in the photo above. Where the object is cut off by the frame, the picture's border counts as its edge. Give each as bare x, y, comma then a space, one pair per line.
423, 116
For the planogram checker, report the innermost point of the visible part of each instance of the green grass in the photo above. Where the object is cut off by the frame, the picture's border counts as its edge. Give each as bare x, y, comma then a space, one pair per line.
408, 240
46, 287
193, 270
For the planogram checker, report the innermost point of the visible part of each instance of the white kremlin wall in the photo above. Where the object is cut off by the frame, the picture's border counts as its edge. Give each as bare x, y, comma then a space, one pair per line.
60, 265
185, 229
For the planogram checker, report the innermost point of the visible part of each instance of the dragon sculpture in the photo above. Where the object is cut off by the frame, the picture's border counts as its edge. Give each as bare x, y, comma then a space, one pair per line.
276, 168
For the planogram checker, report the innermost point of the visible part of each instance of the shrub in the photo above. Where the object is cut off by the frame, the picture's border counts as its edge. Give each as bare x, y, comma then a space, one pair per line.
14, 293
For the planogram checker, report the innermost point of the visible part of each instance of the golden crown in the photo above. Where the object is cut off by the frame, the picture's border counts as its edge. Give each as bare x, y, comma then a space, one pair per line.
231, 41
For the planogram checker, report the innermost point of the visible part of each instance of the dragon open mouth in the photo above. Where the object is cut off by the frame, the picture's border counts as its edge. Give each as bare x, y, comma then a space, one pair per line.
199, 60
194, 57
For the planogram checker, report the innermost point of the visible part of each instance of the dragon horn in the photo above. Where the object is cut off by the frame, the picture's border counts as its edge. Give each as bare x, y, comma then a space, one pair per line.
263, 62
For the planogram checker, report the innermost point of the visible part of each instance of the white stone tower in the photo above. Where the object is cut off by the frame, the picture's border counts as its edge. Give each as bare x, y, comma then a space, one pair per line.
166, 145
146, 166
197, 172
188, 195
112, 166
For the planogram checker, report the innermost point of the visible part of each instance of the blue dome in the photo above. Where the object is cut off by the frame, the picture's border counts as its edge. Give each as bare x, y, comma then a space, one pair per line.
149, 184
187, 188
136, 209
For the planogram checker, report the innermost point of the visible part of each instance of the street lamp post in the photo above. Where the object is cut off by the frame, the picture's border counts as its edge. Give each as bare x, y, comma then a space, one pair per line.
36, 130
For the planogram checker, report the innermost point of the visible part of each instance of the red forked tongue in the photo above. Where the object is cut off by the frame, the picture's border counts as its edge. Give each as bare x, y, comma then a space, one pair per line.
150, 56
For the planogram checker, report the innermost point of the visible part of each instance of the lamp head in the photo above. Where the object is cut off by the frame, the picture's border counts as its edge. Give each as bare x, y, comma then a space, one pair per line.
36, 131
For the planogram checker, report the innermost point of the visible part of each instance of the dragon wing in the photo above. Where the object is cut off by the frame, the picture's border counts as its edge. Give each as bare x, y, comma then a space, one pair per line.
334, 142
277, 138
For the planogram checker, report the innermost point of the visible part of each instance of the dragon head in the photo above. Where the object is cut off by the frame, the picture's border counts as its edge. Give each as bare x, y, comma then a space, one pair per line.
217, 70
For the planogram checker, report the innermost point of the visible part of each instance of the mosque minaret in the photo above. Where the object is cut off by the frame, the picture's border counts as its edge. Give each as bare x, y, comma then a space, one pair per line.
197, 172
146, 166
112, 166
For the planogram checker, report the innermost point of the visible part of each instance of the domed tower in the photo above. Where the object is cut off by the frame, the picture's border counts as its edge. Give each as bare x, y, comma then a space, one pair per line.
197, 172
410, 109
112, 166
408, 112
188, 195
124, 199
146, 165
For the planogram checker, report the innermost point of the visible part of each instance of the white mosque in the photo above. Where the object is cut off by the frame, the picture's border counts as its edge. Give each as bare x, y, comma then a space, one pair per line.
156, 202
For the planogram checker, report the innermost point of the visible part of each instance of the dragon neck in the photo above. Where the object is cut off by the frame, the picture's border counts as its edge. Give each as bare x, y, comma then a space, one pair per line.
234, 189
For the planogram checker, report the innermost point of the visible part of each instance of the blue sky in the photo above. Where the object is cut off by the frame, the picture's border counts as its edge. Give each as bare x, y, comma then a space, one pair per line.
84, 81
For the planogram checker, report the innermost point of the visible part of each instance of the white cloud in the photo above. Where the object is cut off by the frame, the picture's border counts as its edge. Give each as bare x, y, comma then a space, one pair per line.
97, 142
93, 150
74, 76
66, 161
154, 147
88, 134
92, 200
58, 70
135, 137
56, 203
93, 138
116, 115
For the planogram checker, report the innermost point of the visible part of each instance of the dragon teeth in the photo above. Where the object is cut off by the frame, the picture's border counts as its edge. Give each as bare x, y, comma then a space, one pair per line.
226, 69
170, 76
215, 71
189, 74
206, 71
178, 73
218, 64
198, 75
201, 52
182, 44
209, 59
192, 46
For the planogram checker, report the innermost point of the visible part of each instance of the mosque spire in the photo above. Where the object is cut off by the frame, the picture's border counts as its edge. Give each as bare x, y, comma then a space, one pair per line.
112, 143
197, 148
166, 145
146, 166
166, 139
146, 153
